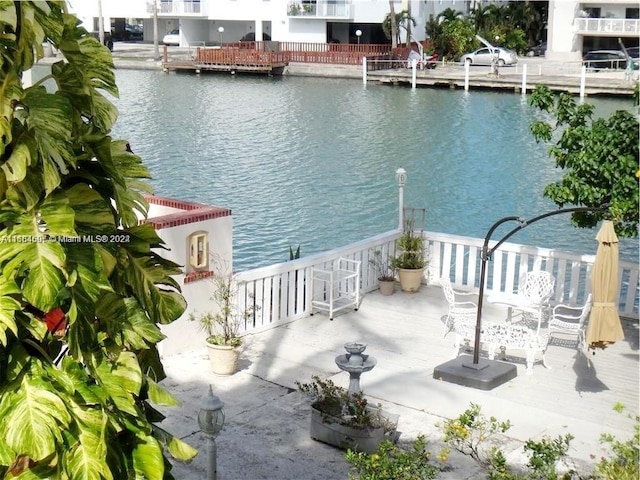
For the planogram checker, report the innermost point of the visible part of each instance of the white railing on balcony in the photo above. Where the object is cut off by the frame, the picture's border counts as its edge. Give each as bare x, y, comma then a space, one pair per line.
179, 7
281, 292
613, 26
321, 9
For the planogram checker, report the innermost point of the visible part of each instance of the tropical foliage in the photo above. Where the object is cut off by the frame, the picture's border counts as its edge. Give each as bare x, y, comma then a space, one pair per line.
599, 158
82, 292
403, 20
516, 26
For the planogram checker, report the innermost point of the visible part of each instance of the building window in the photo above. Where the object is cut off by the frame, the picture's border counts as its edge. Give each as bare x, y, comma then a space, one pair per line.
198, 251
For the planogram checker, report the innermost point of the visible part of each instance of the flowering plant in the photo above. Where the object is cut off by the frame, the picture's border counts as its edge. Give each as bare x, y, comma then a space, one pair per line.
350, 409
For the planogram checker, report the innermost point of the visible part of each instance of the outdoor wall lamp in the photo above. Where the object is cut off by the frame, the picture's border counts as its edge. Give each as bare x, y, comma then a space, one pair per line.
358, 34
211, 421
220, 31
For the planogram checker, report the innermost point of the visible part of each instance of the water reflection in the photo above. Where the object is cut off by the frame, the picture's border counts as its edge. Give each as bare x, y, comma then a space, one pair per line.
312, 161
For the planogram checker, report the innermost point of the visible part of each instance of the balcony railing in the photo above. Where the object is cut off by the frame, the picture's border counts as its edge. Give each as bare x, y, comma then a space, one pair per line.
196, 8
282, 292
321, 9
605, 26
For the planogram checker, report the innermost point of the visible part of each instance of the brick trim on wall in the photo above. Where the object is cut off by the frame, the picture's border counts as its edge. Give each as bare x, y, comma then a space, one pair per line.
191, 212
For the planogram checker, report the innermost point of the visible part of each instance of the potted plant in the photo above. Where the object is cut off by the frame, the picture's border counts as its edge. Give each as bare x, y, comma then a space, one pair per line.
410, 260
346, 420
222, 325
385, 273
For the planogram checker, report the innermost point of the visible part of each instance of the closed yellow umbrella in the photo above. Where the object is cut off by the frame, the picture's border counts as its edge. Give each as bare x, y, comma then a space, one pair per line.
604, 323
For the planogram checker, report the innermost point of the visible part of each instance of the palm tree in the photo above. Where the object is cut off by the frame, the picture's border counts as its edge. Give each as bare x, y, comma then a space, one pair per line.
403, 19
480, 18
448, 15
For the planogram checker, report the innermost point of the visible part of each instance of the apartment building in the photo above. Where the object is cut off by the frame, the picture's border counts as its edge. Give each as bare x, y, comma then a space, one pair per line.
212, 22
574, 27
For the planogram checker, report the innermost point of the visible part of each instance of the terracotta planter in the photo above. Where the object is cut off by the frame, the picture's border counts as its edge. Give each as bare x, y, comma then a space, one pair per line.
327, 429
223, 359
386, 287
410, 279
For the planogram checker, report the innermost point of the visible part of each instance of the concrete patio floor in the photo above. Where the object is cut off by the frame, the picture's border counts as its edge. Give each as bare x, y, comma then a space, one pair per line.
266, 434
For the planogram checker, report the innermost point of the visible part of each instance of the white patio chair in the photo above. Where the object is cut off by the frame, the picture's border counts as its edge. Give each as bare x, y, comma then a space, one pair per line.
459, 311
569, 320
537, 289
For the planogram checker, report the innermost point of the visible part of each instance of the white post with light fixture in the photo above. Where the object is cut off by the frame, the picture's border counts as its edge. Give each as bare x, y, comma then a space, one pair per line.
523, 87
401, 177
211, 421
358, 34
221, 31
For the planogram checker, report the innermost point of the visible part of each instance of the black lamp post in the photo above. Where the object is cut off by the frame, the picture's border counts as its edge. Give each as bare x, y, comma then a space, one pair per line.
487, 374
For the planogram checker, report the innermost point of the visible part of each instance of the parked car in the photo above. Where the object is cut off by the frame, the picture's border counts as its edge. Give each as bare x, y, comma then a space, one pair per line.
132, 32
538, 50
172, 38
486, 56
605, 59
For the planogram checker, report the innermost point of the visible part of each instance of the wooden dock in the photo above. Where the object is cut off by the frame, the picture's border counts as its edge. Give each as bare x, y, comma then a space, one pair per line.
232, 60
508, 78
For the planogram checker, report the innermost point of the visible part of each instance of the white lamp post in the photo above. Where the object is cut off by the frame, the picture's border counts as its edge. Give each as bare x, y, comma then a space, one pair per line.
401, 177
220, 31
210, 421
358, 34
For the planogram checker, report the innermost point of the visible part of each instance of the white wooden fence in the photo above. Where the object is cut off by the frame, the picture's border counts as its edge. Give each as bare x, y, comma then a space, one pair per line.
281, 292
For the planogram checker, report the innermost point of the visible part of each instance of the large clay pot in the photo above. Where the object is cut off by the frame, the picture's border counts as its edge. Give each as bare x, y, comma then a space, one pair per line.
327, 429
223, 359
410, 279
386, 287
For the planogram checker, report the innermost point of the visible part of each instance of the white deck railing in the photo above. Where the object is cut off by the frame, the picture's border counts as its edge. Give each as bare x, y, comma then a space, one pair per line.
282, 292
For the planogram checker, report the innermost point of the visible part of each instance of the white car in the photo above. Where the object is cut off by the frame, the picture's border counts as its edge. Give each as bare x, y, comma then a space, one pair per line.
172, 38
486, 56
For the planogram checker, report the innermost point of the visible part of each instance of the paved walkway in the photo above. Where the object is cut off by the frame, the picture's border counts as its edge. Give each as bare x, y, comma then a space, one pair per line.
266, 434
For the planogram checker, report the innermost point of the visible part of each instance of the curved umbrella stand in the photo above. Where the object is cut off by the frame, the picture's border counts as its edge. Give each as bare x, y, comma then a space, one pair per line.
604, 326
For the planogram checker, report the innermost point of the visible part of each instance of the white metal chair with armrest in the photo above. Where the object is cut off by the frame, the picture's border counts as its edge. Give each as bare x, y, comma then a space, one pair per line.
570, 320
537, 289
461, 311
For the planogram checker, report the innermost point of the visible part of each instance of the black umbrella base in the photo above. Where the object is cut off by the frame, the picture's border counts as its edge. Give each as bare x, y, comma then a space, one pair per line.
486, 375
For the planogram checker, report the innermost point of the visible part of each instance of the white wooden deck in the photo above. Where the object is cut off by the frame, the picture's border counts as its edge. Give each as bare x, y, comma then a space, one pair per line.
404, 333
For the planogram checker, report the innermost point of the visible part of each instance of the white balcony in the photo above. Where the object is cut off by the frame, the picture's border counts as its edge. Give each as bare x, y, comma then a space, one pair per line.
322, 9
180, 8
622, 27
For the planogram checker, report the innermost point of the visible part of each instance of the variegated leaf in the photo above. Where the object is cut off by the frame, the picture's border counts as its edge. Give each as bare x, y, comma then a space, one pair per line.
122, 380
32, 416
148, 460
8, 307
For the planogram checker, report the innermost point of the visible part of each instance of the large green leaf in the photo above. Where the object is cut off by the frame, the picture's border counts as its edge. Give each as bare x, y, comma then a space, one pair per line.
148, 460
92, 213
86, 460
122, 380
8, 306
159, 395
127, 323
32, 416
51, 120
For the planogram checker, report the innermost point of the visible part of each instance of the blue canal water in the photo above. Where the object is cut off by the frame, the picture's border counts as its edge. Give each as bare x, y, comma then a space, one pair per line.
312, 161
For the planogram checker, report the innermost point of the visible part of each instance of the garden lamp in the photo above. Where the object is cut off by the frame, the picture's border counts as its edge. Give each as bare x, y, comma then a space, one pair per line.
210, 421
358, 34
221, 31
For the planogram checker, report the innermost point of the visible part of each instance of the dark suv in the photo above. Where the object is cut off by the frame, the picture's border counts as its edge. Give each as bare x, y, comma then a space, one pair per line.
605, 59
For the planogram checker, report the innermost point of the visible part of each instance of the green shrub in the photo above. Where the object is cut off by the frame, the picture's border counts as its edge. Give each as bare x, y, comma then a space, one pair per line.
390, 462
